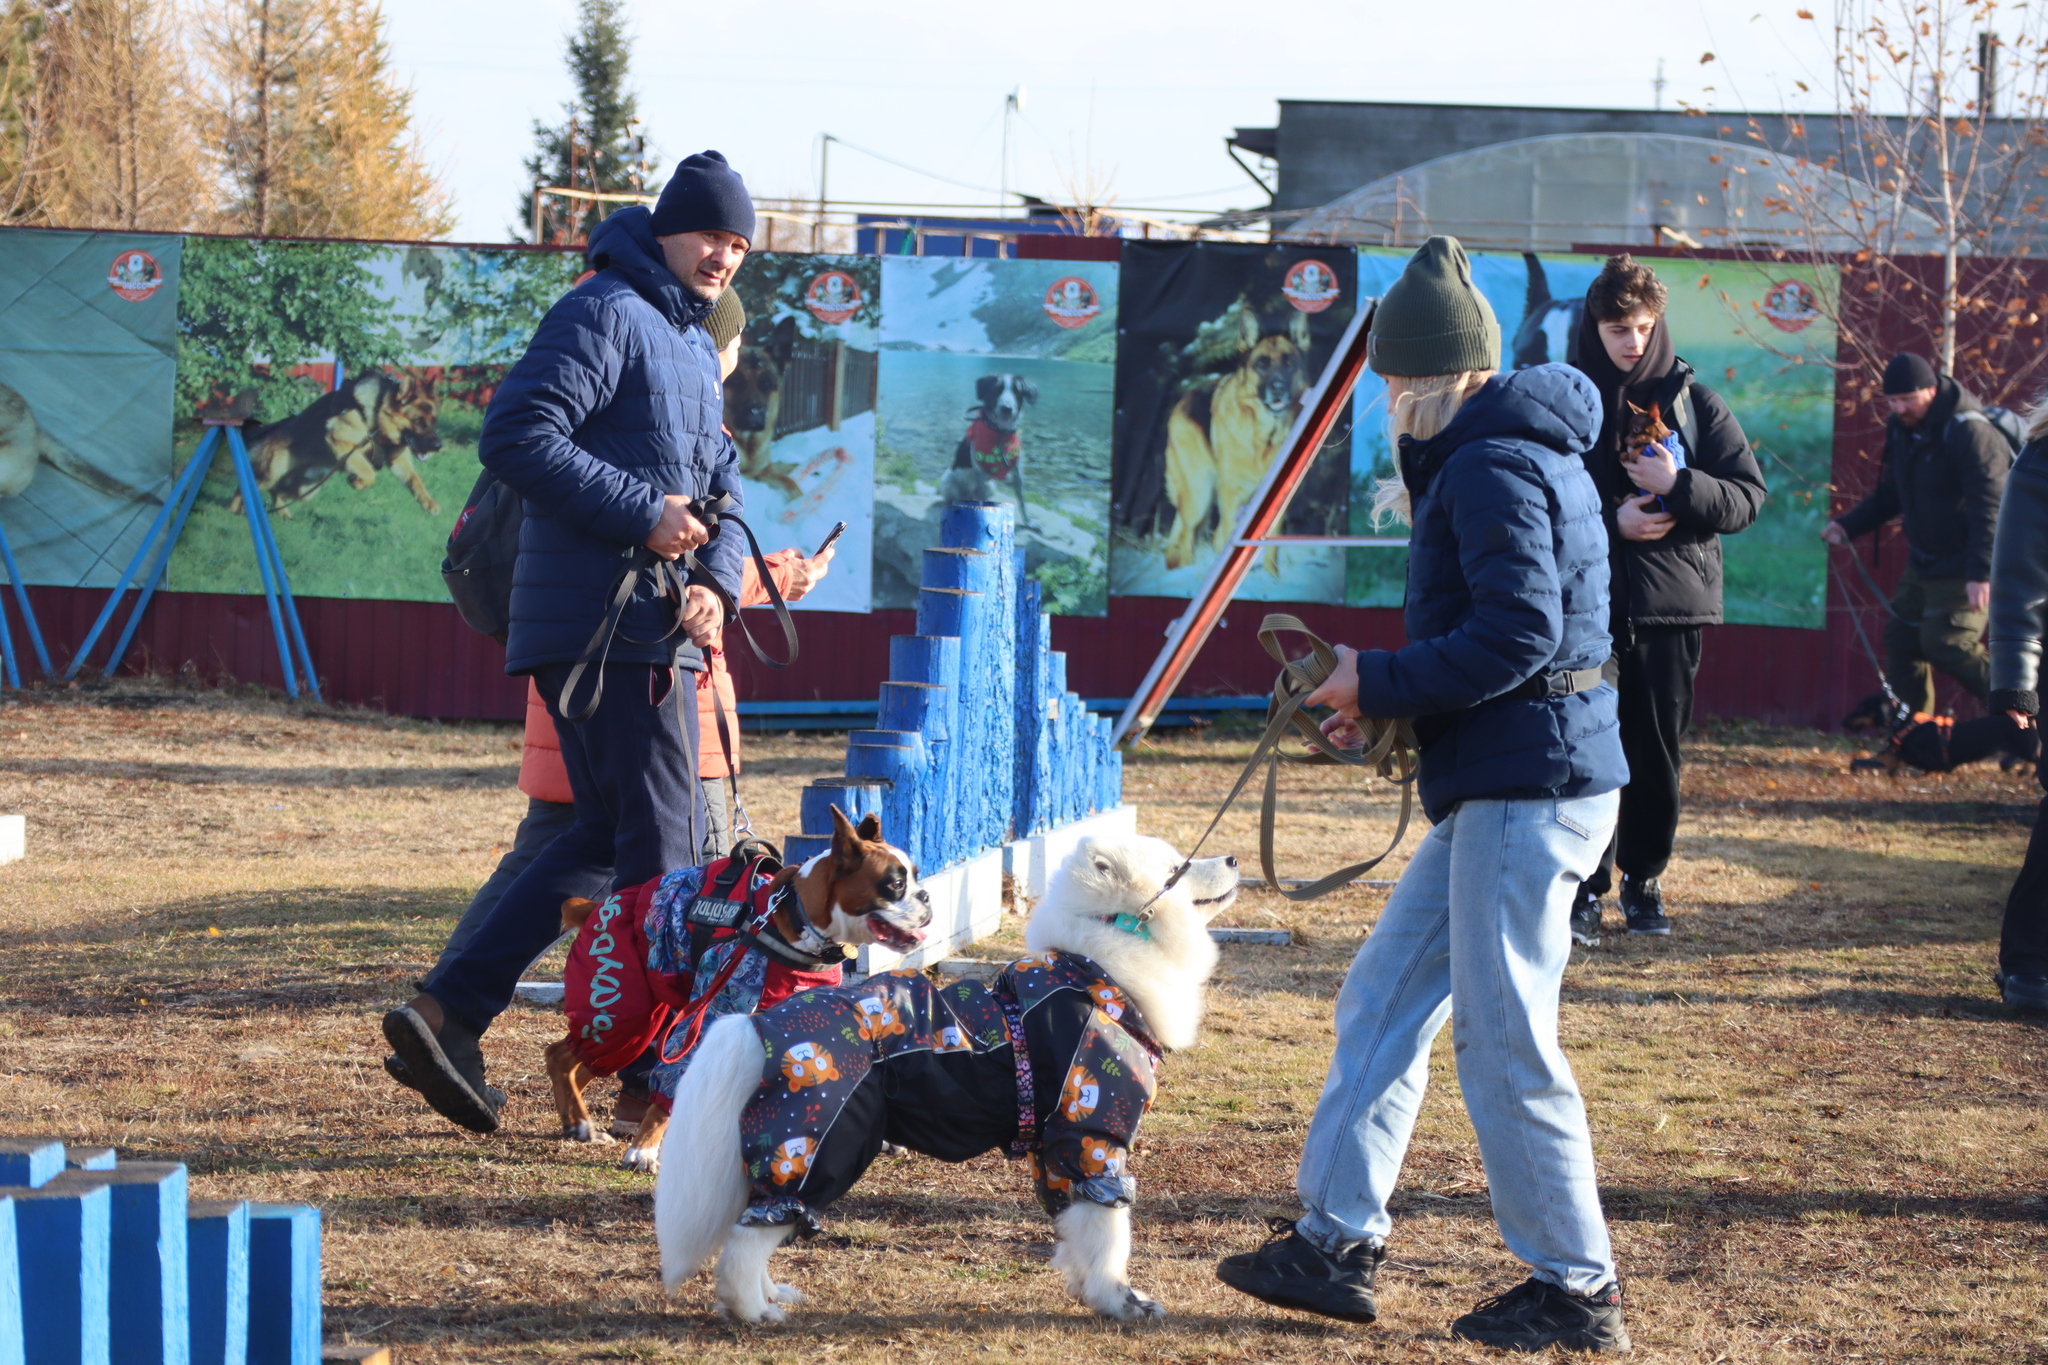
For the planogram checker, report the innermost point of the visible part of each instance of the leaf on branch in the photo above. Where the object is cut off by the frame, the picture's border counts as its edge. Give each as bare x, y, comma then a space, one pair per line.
1706, 57
1804, 13
1802, 87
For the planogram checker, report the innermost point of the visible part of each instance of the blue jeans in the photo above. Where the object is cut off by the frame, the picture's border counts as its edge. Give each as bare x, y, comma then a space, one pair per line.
1477, 931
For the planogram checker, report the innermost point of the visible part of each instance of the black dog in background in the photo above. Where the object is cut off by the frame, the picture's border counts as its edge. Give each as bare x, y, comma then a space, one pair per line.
992, 451
1938, 744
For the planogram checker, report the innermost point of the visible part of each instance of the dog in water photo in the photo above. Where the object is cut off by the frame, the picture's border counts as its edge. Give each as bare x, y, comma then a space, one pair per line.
371, 423
992, 451
1223, 434
782, 1112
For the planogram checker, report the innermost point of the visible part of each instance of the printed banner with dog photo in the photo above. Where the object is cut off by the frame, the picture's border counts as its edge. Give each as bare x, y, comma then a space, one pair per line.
366, 370
88, 345
801, 407
1219, 342
997, 384
1782, 393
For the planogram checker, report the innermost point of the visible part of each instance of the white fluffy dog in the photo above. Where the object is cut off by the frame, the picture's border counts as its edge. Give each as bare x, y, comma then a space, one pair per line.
1145, 952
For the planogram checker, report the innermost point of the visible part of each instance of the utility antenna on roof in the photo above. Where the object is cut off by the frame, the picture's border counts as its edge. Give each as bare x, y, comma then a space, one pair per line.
1658, 86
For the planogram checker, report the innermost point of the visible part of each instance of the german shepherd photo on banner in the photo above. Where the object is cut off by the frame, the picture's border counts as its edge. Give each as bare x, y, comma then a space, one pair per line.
1221, 340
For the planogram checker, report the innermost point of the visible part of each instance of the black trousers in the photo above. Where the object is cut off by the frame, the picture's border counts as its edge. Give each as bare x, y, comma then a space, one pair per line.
2023, 945
1656, 682
639, 812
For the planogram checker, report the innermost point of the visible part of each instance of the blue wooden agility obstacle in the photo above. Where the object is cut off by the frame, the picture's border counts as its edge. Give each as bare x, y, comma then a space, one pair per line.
107, 1263
156, 548
978, 743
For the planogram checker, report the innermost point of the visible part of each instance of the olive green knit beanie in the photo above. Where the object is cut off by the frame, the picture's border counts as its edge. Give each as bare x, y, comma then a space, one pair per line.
1433, 321
726, 320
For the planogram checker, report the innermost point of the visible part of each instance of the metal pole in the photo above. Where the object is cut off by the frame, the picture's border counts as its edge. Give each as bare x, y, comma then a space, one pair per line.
537, 188
824, 166
192, 478
252, 504
284, 582
187, 479
28, 613
10, 676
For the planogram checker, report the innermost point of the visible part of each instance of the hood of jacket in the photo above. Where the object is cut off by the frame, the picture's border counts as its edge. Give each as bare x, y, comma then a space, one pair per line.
1649, 382
625, 243
1552, 405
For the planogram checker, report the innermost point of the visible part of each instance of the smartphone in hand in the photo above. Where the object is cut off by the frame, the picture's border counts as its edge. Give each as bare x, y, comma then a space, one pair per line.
836, 532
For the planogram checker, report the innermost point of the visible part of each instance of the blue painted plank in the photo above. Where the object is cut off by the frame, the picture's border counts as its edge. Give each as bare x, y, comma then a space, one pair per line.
90, 1158
11, 1350
798, 849
898, 767
30, 1160
855, 800
149, 1303
217, 1255
284, 1284
63, 1229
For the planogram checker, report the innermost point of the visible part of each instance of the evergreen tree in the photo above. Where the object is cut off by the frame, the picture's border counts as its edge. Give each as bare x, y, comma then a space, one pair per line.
597, 145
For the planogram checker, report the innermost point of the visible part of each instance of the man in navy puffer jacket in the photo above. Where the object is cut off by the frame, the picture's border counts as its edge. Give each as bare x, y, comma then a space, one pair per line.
1507, 614
610, 428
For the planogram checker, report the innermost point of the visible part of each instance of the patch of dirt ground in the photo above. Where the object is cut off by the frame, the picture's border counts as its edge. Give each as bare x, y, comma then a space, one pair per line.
1819, 1132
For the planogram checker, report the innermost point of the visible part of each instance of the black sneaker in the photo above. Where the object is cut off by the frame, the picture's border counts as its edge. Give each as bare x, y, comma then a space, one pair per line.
1586, 918
1536, 1314
1292, 1272
397, 1070
2023, 990
1643, 904
448, 1070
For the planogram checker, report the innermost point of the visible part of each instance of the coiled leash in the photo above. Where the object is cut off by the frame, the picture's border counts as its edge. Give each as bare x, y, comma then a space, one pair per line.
1390, 749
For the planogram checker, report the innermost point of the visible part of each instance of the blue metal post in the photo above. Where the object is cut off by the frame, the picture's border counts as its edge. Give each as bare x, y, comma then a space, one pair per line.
184, 494
63, 1230
28, 613
217, 1255
252, 507
260, 522
284, 1285
12, 1352
9, 674
149, 1303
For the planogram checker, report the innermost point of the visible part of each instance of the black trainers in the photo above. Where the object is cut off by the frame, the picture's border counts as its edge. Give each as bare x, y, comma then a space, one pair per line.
1586, 918
1292, 1272
447, 1070
1643, 904
2022, 990
1536, 1314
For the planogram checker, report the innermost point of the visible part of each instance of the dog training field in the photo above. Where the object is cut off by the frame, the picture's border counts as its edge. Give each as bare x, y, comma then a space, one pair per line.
1820, 1136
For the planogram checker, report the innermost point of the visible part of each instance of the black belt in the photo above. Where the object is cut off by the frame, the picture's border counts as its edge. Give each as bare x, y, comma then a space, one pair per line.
1561, 683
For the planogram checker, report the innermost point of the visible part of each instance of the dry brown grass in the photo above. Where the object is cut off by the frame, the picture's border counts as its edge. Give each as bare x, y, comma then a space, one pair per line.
1819, 1132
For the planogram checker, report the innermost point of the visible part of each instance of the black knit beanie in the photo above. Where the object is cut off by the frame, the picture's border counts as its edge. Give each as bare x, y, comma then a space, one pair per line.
704, 195
1908, 373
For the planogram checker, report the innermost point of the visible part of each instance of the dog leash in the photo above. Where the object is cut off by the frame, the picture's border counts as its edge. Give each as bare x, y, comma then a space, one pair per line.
1390, 749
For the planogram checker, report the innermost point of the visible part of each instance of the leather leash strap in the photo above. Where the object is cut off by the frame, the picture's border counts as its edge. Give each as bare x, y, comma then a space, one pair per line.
1390, 749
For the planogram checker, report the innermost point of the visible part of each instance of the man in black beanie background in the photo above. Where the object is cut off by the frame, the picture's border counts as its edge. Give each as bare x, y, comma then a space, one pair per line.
610, 427
1943, 475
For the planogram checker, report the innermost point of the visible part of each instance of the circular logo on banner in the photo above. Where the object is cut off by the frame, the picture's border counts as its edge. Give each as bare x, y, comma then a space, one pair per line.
1311, 286
1071, 301
134, 275
833, 296
1791, 305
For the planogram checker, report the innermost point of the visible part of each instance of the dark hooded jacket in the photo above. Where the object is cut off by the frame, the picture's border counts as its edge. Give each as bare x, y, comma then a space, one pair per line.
2019, 585
615, 403
1507, 579
1675, 581
1944, 478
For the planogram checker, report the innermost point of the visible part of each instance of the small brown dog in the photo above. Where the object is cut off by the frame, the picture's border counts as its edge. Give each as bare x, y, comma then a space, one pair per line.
863, 891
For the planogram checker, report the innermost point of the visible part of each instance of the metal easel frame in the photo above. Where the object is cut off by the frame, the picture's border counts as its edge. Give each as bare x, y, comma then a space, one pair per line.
10, 662
156, 547
1320, 408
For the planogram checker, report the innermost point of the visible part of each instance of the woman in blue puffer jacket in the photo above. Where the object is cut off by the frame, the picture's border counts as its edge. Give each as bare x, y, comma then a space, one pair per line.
1507, 614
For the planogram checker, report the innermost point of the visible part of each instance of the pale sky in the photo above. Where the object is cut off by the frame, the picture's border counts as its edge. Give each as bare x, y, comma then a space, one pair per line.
1142, 94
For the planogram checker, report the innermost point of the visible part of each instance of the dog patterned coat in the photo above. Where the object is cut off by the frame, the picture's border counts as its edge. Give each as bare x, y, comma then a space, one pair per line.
933, 1068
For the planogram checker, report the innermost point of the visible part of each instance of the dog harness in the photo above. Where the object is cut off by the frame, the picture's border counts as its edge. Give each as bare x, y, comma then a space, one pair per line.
660, 960
995, 450
1052, 1062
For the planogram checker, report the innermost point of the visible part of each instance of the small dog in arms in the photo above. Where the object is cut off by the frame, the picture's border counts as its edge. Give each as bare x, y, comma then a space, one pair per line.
782, 1112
